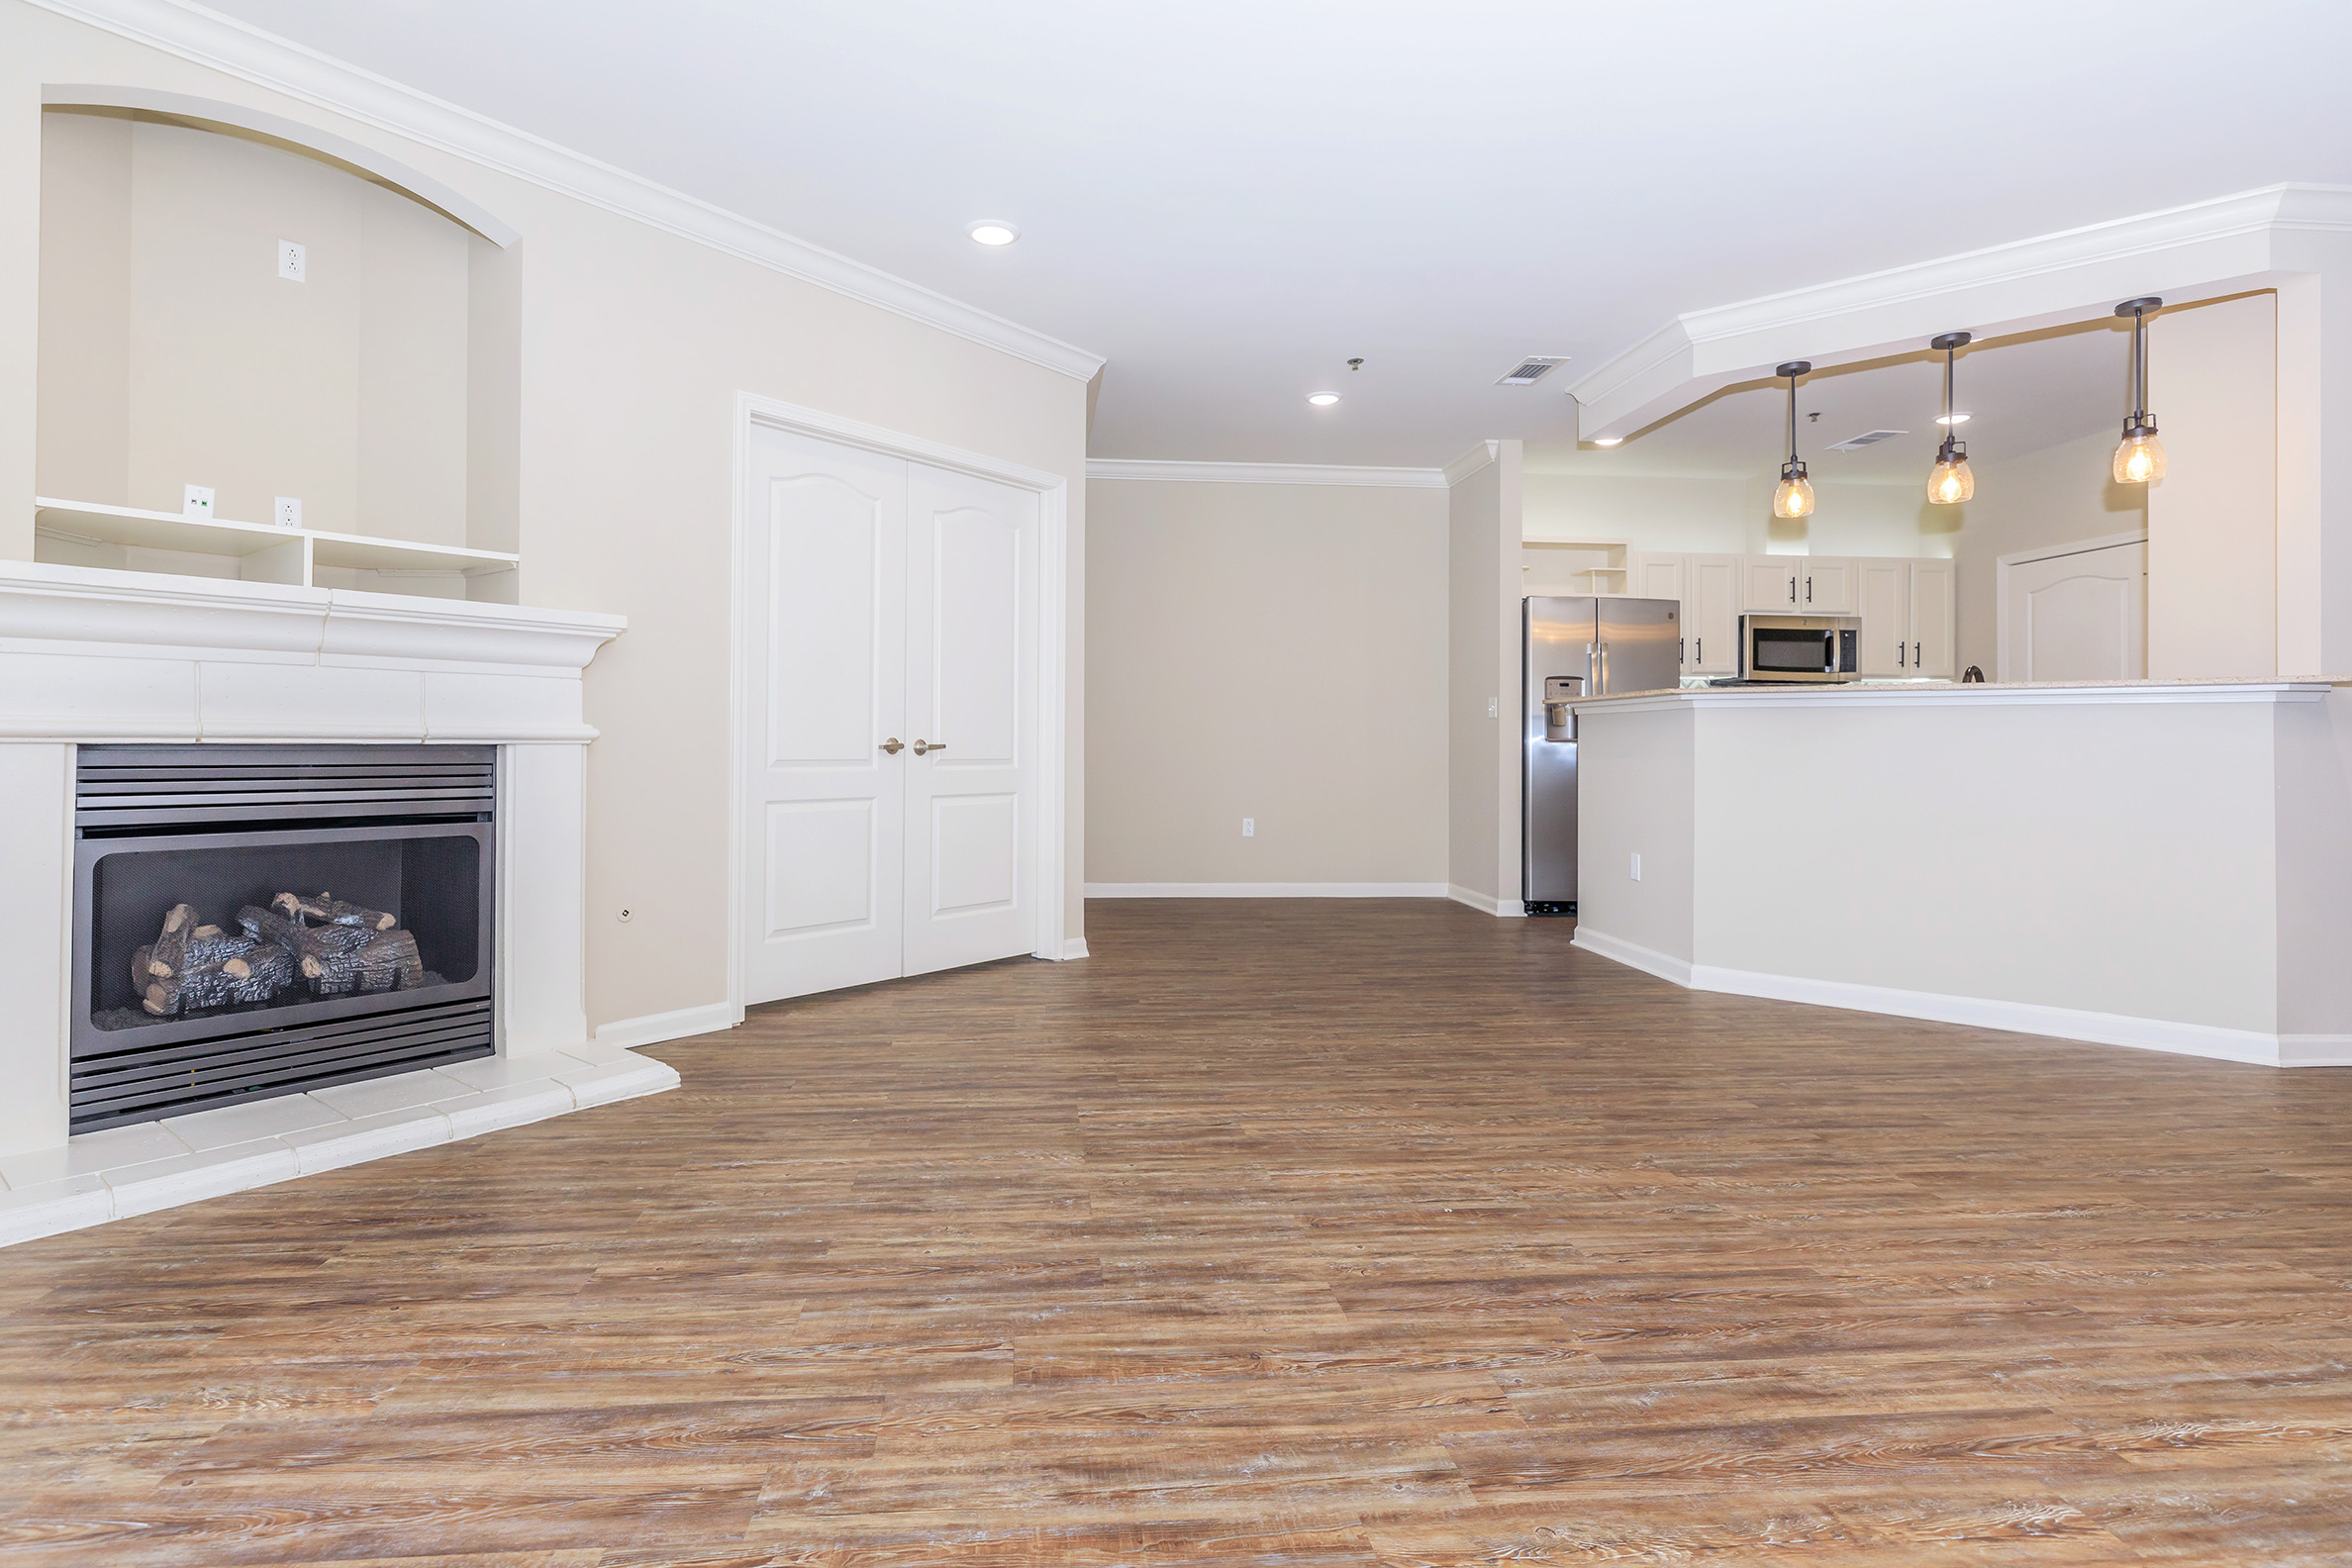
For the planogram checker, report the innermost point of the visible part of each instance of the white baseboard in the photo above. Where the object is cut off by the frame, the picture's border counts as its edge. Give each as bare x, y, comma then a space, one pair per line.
1074, 947
1632, 954
1266, 890
654, 1027
2315, 1050
1485, 904
2019, 1017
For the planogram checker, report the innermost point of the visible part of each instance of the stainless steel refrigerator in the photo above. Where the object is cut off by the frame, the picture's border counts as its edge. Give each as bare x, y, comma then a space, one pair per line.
1577, 646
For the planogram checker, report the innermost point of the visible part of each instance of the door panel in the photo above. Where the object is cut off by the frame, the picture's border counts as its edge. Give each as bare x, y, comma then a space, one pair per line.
970, 670
2077, 616
1711, 618
1884, 608
1931, 619
827, 672
1769, 583
1826, 586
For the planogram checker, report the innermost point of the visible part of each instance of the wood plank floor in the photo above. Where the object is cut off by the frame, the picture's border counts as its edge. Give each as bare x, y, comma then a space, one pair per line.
1308, 1234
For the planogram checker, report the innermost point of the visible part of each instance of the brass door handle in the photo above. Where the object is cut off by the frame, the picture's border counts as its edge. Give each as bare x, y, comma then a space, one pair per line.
936, 746
892, 745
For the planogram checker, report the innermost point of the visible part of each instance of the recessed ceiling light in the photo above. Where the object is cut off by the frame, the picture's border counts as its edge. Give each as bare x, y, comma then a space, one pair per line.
1609, 440
1323, 399
993, 232
1952, 419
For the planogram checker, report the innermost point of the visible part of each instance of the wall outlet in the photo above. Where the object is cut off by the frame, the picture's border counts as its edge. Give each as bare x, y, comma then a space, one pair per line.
293, 260
289, 512
196, 501
1637, 867
1494, 707
1249, 826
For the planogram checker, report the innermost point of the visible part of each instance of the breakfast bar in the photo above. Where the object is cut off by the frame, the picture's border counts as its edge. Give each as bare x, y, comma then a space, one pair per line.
2148, 863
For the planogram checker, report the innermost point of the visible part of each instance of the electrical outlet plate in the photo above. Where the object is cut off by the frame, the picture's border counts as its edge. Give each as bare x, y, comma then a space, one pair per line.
196, 501
289, 512
1494, 707
1249, 826
293, 260
1637, 867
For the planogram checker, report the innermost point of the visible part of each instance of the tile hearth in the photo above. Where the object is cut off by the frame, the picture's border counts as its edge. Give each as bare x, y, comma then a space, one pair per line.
138, 1169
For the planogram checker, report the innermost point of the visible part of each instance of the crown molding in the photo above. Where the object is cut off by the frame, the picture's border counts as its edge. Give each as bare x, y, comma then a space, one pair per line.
223, 43
1263, 473
1477, 457
2200, 250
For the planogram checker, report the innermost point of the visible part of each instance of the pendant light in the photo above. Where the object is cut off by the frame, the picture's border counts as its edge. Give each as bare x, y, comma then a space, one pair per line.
2139, 456
1950, 482
1795, 496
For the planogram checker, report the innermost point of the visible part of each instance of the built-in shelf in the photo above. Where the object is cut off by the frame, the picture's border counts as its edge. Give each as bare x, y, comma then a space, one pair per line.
1573, 566
263, 552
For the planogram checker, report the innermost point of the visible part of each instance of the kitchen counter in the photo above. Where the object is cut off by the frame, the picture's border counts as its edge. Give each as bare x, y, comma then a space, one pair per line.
2156, 863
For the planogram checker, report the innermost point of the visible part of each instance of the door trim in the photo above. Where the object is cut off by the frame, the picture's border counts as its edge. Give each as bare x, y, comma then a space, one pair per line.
2003, 564
753, 412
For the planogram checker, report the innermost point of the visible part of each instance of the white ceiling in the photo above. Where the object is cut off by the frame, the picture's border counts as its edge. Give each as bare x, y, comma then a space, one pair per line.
1230, 199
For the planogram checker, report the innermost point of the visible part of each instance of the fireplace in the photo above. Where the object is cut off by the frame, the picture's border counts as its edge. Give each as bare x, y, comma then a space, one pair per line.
258, 921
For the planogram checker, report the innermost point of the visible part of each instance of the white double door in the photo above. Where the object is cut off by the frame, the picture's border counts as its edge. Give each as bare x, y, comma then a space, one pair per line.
890, 823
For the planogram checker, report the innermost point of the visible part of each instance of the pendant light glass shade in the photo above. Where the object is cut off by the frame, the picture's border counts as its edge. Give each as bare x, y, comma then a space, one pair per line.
1951, 482
1793, 496
2139, 459
2139, 456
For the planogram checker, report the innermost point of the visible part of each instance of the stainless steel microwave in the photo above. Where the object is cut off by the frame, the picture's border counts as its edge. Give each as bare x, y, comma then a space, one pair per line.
1800, 647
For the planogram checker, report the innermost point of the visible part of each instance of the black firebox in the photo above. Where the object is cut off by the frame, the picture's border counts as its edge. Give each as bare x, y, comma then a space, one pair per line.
258, 920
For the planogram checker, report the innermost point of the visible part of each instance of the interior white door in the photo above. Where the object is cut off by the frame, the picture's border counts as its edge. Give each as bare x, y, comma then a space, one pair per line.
970, 871
2081, 615
823, 883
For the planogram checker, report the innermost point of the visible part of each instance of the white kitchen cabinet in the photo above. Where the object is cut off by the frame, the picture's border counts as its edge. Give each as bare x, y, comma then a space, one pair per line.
1826, 585
1906, 618
1649, 577
1768, 583
1931, 619
1710, 615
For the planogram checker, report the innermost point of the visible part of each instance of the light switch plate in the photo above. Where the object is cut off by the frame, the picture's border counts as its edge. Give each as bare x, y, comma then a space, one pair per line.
1494, 707
196, 501
293, 260
1637, 867
289, 512
1249, 826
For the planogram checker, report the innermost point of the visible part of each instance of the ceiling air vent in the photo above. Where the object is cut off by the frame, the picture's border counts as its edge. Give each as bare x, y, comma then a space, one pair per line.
1865, 439
1531, 371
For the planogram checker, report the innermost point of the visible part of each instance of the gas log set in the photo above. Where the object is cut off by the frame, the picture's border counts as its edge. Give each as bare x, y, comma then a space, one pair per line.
318, 943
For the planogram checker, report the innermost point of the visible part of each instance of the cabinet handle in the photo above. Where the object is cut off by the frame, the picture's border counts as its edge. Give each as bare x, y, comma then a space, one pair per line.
1917, 661
1809, 590
1792, 587
1899, 664
1703, 650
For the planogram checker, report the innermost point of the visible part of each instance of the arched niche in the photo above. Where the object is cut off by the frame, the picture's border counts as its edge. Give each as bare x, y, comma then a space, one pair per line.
379, 388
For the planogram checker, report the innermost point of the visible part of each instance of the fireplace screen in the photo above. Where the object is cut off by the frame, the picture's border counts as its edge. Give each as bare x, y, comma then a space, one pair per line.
261, 921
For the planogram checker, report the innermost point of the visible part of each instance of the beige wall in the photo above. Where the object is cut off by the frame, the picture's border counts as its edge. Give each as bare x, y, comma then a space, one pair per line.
2055, 496
2212, 518
1275, 651
632, 346
1484, 524
172, 353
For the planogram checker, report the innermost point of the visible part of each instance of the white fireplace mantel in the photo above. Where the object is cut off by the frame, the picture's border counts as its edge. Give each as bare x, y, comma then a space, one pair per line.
89, 655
